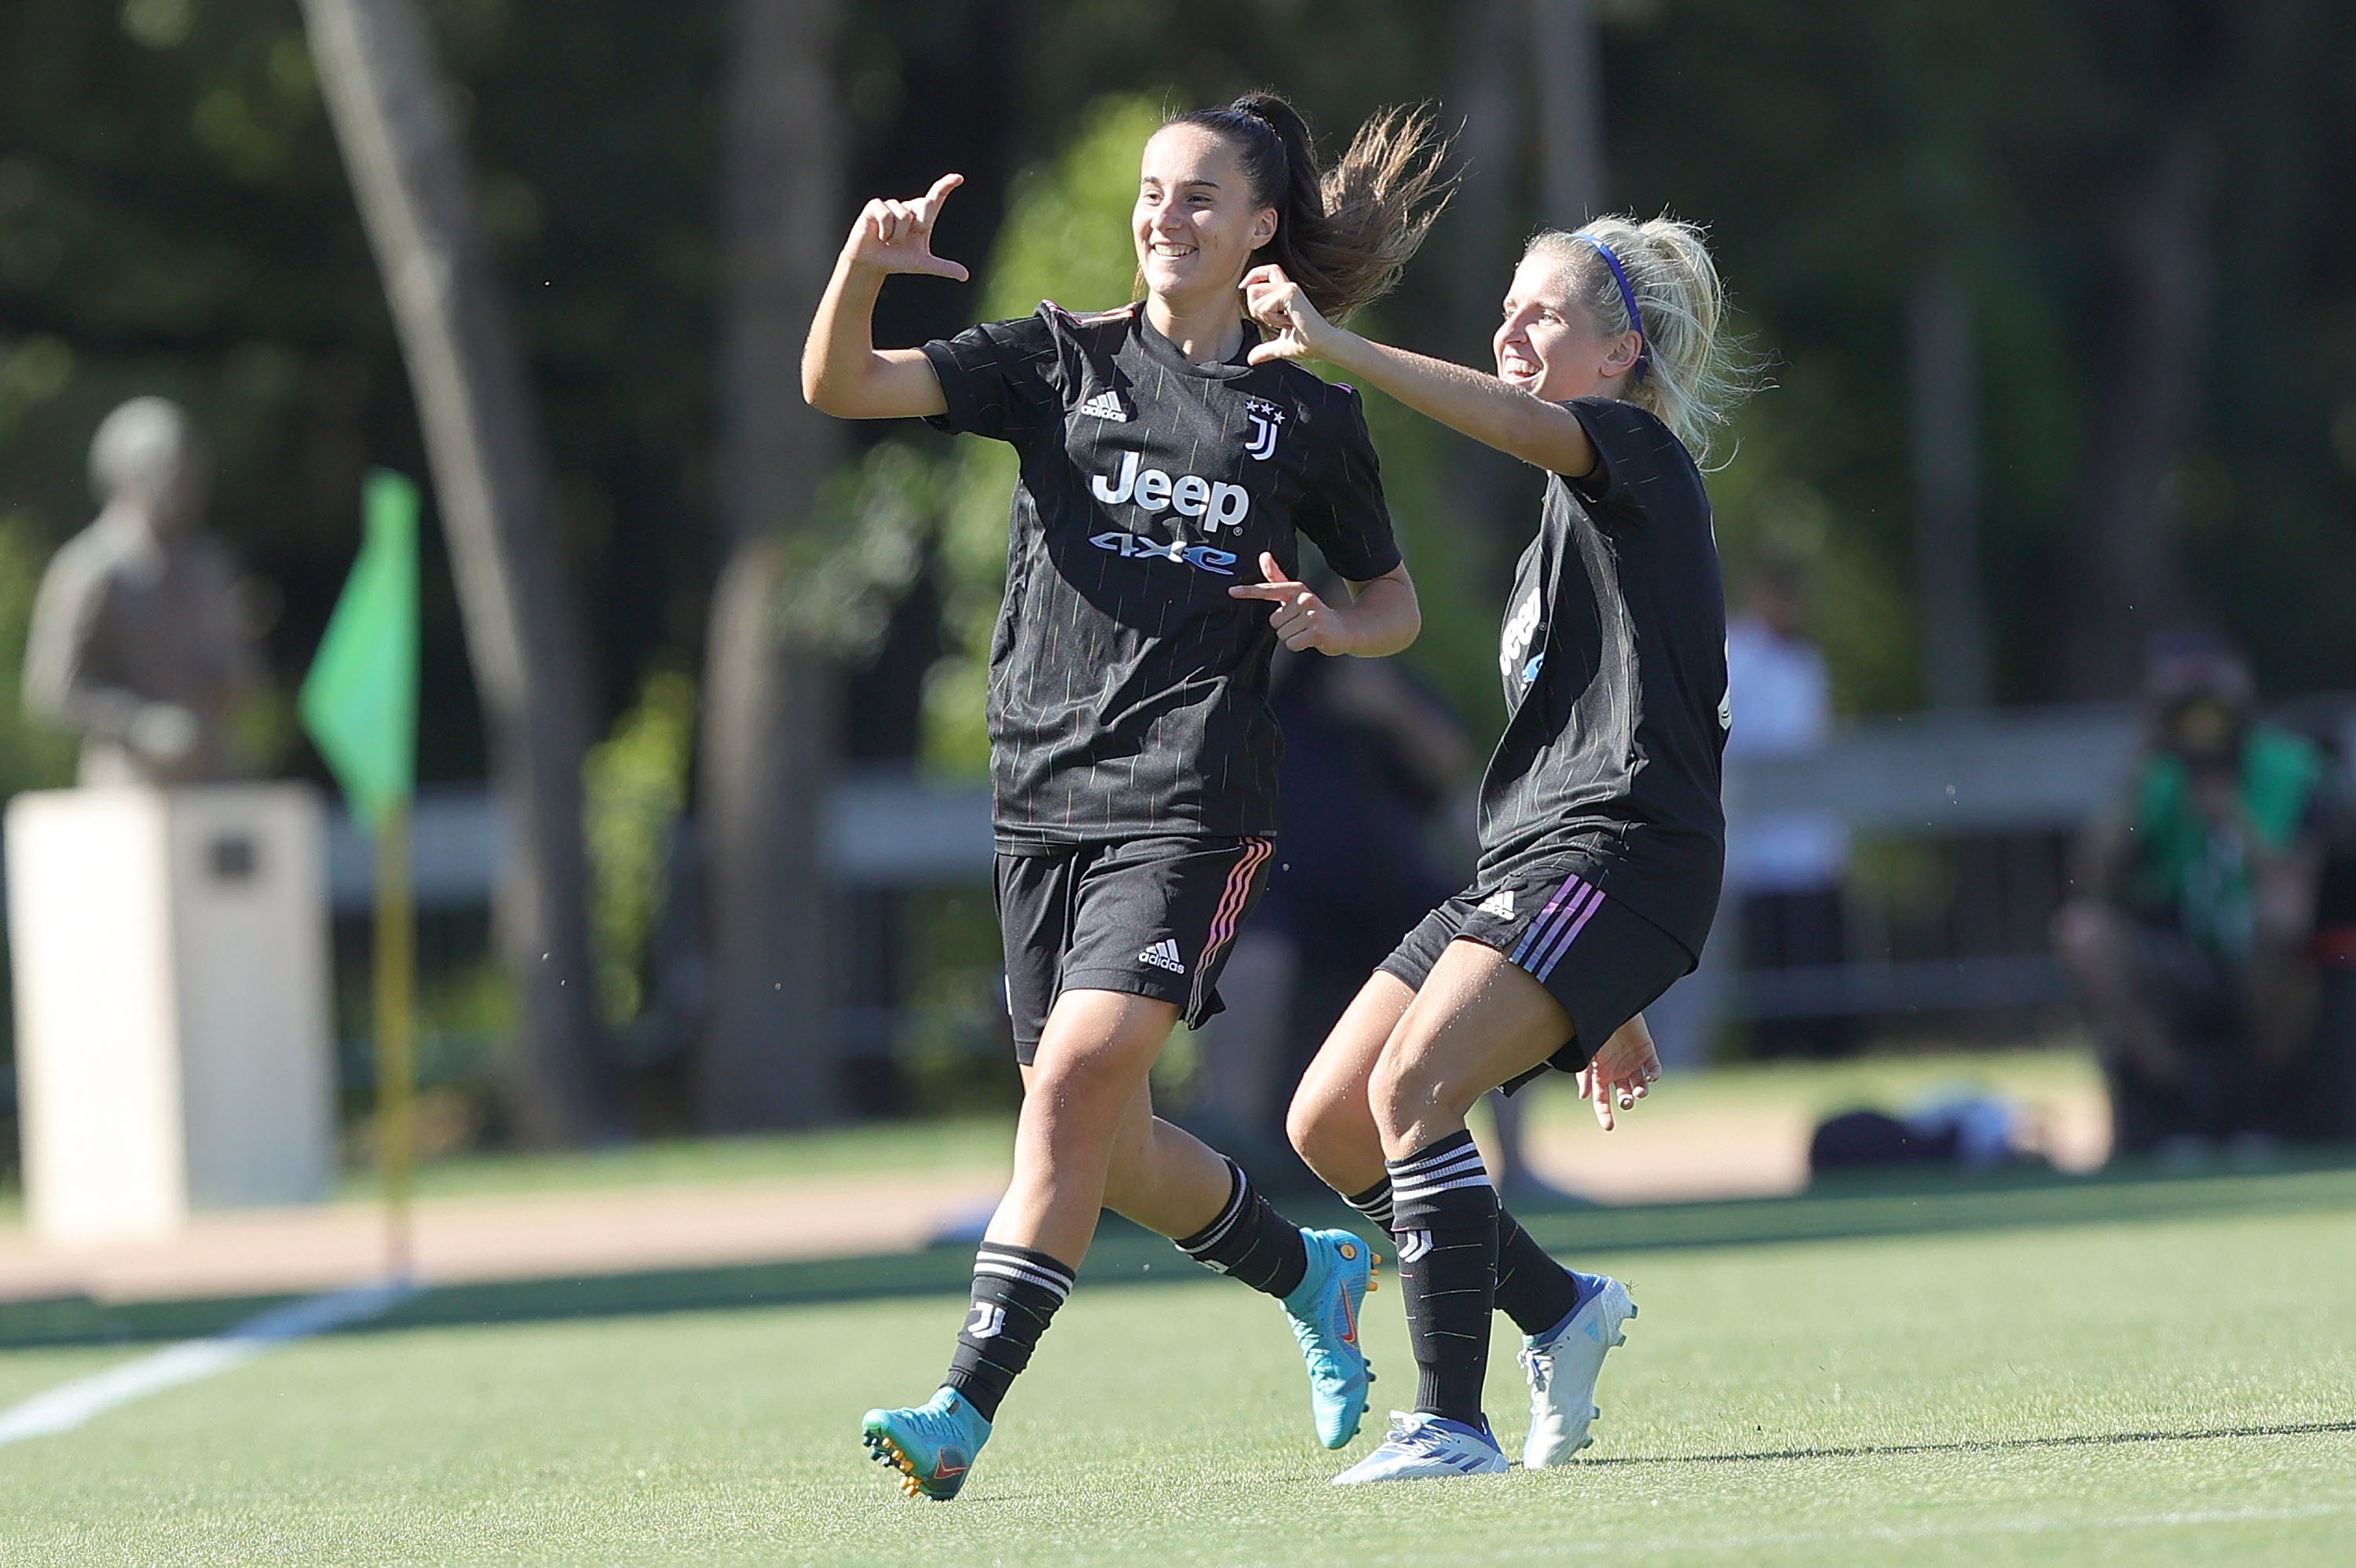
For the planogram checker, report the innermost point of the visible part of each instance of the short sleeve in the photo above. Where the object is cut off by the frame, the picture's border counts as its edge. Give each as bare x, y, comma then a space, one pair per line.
1345, 515
1638, 460
1003, 380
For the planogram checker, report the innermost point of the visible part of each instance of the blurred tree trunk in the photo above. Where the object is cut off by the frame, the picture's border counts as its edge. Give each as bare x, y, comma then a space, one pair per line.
409, 173
2129, 579
1477, 251
1943, 366
1568, 57
769, 729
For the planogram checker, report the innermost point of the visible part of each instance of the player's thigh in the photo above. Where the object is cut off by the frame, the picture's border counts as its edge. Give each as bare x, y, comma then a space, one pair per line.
1479, 1020
1097, 1048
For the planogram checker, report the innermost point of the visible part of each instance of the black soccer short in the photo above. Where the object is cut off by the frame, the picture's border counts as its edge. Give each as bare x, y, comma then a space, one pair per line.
1601, 960
1153, 917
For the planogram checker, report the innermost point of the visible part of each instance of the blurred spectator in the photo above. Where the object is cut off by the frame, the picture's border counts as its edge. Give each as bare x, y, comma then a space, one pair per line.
1370, 757
2192, 939
1784, 871
1372, 760
139, 639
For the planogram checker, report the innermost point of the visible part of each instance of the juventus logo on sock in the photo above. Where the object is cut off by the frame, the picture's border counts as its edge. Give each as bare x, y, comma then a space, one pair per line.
989, 1320
1414, 1246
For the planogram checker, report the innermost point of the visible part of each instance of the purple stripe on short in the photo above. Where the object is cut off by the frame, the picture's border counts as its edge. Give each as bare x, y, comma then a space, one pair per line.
1540, 927
1554, 956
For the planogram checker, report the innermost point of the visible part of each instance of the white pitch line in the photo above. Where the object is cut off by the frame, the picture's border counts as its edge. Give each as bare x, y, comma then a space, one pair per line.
67, 1406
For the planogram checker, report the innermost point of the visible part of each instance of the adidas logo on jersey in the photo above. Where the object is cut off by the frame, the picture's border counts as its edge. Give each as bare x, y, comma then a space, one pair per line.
1104, 406
1219, 505
1163, 954
1499, 903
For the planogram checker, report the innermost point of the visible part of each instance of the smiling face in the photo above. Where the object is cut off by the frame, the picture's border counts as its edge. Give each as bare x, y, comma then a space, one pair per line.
1196, 223
1549, 344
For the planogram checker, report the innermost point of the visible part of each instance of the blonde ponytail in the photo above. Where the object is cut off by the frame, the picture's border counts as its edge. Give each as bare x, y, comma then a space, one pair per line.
1693, 374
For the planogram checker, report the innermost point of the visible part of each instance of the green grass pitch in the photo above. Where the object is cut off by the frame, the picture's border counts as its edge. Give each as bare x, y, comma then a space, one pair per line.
2133, 1392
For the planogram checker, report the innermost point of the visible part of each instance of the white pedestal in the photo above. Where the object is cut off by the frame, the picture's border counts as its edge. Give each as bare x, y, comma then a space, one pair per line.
171, 949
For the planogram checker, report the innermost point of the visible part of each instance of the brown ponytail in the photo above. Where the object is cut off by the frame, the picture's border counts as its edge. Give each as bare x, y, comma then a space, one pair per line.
1343, 235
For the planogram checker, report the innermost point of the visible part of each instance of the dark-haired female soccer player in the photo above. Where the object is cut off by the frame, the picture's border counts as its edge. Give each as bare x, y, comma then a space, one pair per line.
1133, 752
1601, 838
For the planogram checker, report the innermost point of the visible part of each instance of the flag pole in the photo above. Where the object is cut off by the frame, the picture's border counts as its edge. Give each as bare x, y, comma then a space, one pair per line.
396, 1068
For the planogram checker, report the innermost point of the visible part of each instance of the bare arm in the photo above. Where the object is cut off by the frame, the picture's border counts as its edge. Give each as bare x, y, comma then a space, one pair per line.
843, 373
1382, 616
1472, 402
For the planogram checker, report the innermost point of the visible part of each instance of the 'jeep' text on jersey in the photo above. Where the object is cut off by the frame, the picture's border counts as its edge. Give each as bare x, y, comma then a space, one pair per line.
1128, 691
1613, 657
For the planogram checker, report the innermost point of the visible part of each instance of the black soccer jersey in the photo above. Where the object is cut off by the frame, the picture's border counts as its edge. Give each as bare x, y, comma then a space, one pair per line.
1613, 656
1128, 692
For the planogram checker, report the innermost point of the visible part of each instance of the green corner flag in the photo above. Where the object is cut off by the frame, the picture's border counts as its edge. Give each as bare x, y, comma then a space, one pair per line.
360, 702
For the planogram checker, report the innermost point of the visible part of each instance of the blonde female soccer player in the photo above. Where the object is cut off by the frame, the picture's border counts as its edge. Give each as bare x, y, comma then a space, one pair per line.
1601, 837
1151, 569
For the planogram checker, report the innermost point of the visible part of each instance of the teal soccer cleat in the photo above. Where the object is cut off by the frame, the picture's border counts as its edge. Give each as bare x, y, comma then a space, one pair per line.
1324, 1312
932, 1445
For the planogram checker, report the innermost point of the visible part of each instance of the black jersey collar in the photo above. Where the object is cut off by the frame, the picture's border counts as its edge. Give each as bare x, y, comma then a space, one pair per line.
1164, 352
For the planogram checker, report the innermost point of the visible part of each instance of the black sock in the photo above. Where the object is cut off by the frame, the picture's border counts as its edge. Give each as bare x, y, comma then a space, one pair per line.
1015, 1293
1444, 1213
1532, 1289
1374, 1203
1251, 1241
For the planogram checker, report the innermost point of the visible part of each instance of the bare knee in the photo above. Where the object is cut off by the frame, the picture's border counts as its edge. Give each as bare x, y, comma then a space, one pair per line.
1335, 1136
1401, 1094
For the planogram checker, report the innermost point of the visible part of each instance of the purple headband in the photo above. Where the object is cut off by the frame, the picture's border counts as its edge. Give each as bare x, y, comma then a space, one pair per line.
1627, 298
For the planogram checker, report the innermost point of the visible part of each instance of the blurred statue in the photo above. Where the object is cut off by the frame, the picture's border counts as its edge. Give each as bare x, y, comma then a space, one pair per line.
2192, 938
138, 637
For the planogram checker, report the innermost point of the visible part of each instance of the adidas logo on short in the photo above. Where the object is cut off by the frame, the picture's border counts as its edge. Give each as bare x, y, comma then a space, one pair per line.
1104, 406
1499, 903
1163, 956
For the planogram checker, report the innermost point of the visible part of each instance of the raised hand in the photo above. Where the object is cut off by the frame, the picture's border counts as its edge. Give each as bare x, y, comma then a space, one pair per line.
897, 236
1623, 1070
1277, 304
1303, 620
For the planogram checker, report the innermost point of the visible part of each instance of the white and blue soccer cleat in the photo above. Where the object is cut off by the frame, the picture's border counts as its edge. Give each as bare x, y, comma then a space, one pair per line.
1324, 1311
1426, 1447
933, 1445
1562, 1366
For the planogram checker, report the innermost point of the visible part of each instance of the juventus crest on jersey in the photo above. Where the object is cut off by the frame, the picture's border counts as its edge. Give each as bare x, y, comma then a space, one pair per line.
1128, 689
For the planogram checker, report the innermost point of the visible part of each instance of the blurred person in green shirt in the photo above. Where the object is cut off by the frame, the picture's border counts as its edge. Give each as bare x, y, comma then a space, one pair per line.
2189, 936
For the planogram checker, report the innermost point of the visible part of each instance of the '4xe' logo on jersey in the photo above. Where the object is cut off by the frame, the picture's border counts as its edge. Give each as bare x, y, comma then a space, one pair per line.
1177, 552
1220, 504
1265, 417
